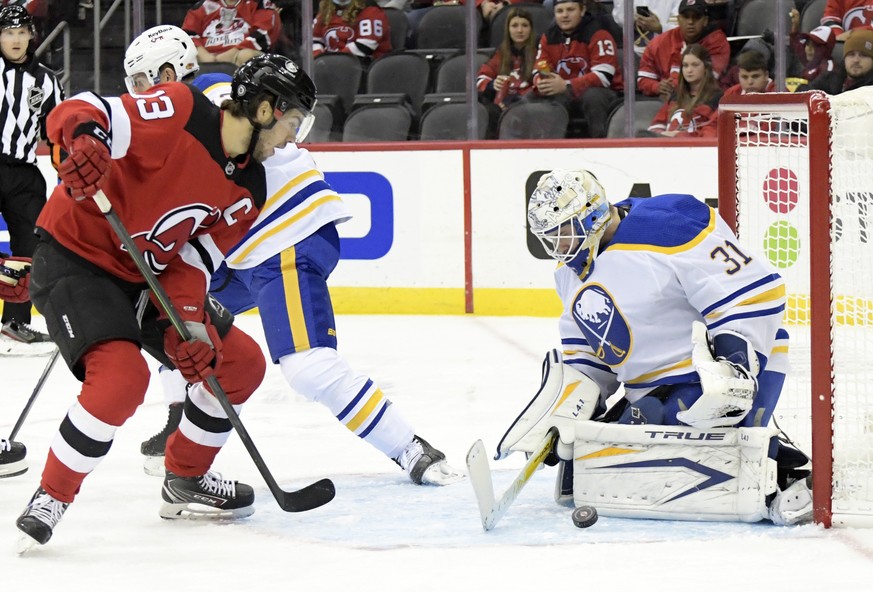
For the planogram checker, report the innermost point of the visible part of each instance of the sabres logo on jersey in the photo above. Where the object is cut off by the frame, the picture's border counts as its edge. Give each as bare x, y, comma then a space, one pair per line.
603, 325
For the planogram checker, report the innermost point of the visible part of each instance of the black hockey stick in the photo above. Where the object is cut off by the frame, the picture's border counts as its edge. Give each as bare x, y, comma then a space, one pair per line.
310, 497
36, 390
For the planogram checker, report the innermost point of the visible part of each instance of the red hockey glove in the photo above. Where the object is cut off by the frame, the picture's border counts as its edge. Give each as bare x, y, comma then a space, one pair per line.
89, 161
196, 359
14, 279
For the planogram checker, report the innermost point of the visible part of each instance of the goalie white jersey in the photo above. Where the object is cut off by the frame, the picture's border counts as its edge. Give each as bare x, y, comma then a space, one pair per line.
629, 321
299, 202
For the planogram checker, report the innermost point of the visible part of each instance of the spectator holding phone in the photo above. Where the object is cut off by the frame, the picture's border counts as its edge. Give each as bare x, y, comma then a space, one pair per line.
651, 17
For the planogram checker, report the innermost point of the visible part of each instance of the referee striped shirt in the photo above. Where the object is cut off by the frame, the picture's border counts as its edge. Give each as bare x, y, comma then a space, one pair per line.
29, 91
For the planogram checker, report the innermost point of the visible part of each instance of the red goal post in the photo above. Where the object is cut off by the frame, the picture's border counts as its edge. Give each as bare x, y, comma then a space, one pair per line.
796, 184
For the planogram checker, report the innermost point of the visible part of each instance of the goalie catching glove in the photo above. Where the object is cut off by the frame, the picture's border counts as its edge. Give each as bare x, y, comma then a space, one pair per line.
198, 358
729, 387
14, 279
89, 160
566, 396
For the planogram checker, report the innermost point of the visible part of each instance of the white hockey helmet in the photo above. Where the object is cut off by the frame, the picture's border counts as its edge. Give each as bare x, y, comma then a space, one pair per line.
568, 212
164, 44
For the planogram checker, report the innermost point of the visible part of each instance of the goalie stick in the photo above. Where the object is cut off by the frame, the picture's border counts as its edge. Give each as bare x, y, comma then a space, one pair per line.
309, 497
36, 390
491, 509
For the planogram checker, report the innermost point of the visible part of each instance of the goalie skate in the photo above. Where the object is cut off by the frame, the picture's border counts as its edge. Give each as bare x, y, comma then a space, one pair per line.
205, 497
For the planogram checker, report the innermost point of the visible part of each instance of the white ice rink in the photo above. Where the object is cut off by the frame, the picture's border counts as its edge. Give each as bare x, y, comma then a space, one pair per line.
456, 379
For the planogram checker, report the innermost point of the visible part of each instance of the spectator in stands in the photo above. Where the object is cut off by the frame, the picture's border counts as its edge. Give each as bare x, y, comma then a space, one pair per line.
693, 111
651, 17
762, 45
754, 75
577, 65
844, 15
659, 69
812, 50
232, 30
722, 14
356, 27
857, 68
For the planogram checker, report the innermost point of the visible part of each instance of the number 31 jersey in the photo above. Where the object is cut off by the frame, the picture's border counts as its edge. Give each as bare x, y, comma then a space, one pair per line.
672, 261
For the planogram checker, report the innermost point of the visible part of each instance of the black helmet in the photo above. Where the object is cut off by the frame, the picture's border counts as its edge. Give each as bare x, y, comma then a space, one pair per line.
278, 76
15, 16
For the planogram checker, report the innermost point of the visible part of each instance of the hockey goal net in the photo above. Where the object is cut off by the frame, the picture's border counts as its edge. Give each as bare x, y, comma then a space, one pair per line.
796, 181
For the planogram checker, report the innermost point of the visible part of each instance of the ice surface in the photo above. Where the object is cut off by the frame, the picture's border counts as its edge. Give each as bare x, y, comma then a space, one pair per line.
456, 379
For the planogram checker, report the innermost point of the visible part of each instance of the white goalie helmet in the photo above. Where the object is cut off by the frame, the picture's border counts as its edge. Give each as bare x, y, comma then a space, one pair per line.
568, 212
164, 44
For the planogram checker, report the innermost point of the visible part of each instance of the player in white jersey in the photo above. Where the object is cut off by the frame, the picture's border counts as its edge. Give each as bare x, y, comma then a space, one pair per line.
660, 299
282, 266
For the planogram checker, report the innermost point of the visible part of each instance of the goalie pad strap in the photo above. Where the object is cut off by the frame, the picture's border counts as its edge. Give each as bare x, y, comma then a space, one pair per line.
674, 472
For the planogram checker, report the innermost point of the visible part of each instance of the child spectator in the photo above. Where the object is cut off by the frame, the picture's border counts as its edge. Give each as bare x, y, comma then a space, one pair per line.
232, 30
694, 110
754, 75
577, 65
358, 27
659, 68
844, 15
857, 67
813, 51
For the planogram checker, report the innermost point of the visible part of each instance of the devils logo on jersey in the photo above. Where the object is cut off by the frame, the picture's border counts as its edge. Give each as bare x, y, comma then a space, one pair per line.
160, 244
602, 323
572, 66
337, 38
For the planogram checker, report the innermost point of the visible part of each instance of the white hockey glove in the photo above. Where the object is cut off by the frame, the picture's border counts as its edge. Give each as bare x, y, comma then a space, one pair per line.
566, 396
728, 389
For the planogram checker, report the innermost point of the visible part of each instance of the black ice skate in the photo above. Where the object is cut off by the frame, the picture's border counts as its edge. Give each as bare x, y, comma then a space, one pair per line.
12, 458
24, 333
153, 448
39, 519
426, 465
208, 496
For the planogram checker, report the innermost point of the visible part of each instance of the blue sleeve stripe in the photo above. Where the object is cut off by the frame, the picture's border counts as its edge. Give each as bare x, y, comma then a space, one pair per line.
602, 367
675, 379
749, 315
761, 282
574, 341
287, 206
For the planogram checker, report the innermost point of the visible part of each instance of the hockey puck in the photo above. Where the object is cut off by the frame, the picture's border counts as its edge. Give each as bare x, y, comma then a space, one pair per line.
584, 516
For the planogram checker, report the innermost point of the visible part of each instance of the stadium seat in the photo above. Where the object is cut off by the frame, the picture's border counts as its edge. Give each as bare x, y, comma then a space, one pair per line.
810, 16
644, 111
399, 27
322, 129
451, 76
755, 16
378, 123
448, 121
405, 73
444, 27
534, 120
338, 74
542, 18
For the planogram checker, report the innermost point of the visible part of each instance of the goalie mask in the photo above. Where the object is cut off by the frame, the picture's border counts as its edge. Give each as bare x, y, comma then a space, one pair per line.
568, 212
164, 44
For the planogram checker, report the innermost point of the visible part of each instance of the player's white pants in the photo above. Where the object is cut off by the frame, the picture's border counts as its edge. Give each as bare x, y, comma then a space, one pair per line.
321, 375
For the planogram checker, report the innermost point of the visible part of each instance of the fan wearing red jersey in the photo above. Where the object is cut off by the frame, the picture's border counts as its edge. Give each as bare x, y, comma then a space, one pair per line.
140, 150
358, 27
577, 65
844, 15
232, 30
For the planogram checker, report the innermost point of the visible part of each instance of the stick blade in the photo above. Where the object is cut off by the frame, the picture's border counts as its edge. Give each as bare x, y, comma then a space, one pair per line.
308, 498
479, 474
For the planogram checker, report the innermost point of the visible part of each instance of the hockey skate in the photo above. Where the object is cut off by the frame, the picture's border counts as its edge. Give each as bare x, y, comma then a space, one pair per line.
792, 505
208, 496
12, 458
153, 448
20, 339
426, 465
38, 521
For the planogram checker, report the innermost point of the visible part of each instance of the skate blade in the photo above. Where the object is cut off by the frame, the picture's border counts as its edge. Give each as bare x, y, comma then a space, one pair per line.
12, 348
440, 474
154, 466
171, 511
13, 469
25, 543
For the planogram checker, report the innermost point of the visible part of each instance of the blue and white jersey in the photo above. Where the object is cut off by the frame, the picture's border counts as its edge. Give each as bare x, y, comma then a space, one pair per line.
672, 261
299, 202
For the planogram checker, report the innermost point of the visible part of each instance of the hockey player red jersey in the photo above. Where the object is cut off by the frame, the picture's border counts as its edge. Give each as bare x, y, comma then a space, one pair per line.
218, 25
170, 181
369, 36
843, 15
587, 57
663, 56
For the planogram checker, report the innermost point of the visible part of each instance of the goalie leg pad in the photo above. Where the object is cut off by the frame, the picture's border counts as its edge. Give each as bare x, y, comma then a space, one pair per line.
674, 473
565, 397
